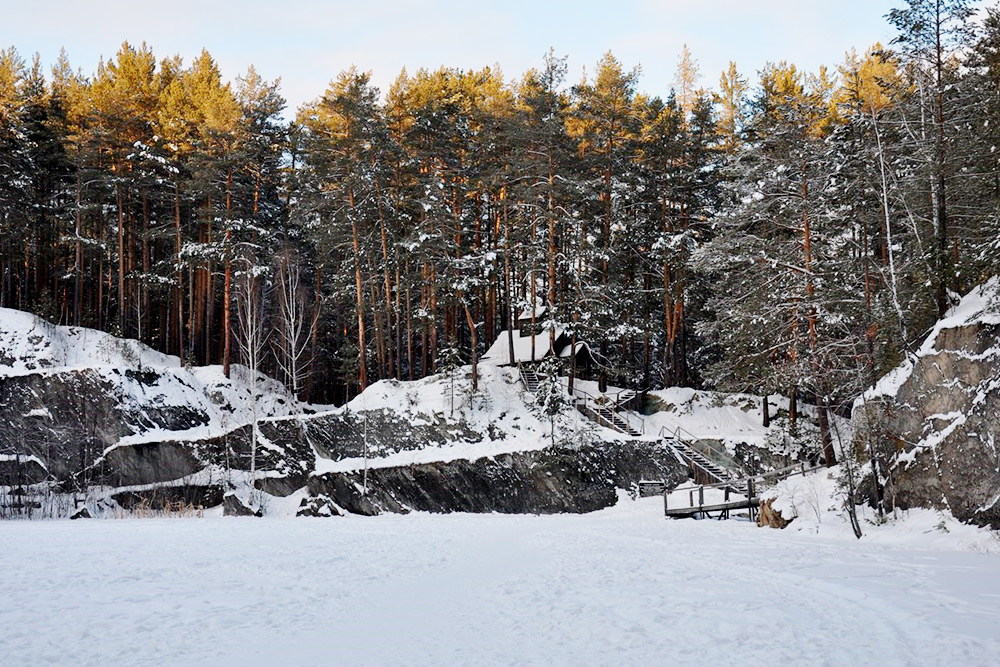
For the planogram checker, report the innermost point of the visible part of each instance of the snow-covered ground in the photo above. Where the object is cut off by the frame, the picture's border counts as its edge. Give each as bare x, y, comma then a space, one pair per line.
622, 586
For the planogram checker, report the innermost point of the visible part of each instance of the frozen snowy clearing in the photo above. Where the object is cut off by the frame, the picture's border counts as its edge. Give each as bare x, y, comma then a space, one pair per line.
622, 586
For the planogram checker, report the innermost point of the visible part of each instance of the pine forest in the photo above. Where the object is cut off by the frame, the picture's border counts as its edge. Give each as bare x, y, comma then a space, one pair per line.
784, 232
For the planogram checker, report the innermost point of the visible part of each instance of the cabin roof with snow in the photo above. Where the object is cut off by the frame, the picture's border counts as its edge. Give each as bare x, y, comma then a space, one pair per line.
499, 352
572, 349
526, 314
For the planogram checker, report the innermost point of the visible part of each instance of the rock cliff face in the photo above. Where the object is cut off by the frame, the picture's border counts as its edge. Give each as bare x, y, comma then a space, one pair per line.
935, 421
556, 479
111, 424
564, 478
67, 418
69, 396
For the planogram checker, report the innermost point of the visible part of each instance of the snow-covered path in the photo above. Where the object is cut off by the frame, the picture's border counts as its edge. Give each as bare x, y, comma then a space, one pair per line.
622, 586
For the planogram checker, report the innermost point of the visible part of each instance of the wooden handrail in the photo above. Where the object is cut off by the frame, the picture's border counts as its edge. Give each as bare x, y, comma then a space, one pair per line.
748, 483
611, 405
782, 473
693, 438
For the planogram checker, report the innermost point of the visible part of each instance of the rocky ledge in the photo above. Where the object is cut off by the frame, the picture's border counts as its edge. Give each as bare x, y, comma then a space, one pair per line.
934, 422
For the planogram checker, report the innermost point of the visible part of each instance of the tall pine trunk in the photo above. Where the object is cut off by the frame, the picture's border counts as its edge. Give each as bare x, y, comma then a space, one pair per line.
359, 293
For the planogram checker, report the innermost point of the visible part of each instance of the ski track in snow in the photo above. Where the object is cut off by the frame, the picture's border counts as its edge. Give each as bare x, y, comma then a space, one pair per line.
622, 585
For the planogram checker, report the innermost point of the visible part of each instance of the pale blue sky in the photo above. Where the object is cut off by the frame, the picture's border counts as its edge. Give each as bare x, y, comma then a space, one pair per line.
307, 42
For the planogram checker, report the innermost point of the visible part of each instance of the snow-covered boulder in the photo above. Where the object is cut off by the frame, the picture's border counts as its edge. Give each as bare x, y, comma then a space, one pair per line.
935, 420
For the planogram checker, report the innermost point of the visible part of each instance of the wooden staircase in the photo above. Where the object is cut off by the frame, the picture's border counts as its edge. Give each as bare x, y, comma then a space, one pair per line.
610, 417
623, 398
607, 413
703, 469
529, 378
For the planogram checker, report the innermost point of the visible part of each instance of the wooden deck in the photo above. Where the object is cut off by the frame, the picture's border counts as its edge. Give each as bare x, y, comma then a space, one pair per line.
749, 499
697, 508
723, 509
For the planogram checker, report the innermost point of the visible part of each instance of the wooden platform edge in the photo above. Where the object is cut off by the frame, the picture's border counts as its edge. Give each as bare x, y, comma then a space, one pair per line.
718, 507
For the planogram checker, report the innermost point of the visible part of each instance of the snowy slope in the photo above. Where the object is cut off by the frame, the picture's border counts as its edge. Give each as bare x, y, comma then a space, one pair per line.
816, 503
709, 415
29, 344
501, 411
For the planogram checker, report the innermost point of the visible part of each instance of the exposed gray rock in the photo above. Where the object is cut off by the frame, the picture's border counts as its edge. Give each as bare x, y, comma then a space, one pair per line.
318, 506
20, 470
150, 463
233, 505
546, 481
85, 411
939, 433
341, 435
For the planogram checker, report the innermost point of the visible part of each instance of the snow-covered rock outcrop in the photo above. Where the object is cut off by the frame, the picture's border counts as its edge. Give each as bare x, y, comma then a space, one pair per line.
113, 424
87, 406
935, 420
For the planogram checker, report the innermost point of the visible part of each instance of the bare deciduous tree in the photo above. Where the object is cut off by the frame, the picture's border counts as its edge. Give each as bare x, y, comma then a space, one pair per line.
251, 337
294, 321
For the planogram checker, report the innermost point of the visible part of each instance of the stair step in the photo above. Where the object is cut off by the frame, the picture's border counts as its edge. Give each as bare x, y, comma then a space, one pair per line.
698, 459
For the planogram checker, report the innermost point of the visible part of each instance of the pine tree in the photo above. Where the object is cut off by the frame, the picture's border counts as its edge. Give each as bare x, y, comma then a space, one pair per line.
346, 137
686, 82
605, 124
731, 99
15, 186
930, 31
770, 257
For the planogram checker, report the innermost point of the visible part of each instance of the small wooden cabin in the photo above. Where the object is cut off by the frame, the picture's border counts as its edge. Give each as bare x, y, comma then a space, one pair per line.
532, 343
